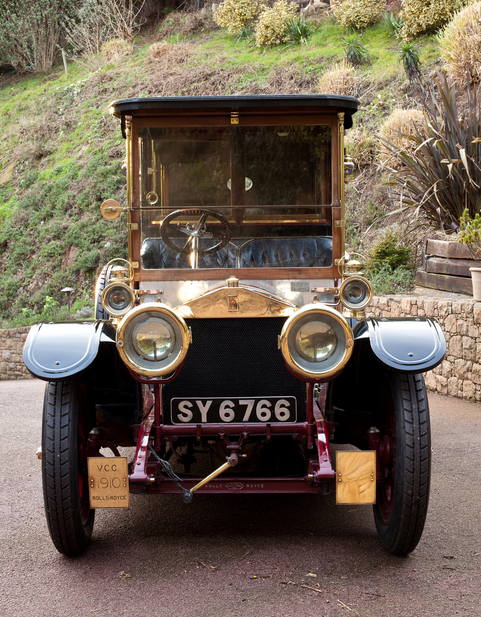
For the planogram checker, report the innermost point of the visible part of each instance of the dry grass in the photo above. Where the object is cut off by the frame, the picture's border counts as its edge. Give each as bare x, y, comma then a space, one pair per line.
181, 23
195, 78
165, 54
340, 80
396, 130
362, 147
115, 50
460, 46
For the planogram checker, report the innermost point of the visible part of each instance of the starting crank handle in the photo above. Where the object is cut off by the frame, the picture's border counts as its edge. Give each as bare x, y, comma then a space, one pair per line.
188, 495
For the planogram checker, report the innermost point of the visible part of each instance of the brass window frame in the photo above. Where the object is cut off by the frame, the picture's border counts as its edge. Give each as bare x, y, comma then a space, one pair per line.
222, 119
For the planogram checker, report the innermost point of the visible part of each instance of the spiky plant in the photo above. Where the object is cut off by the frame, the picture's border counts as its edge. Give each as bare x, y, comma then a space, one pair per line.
356, 52
392, 23
409, 54
299, 30
442, 177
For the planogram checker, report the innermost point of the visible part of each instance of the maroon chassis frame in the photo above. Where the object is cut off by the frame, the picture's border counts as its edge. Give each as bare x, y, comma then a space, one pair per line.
146, 475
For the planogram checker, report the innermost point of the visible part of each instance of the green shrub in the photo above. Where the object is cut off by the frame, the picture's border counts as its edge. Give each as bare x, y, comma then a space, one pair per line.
389, 250
49, 307
235, 14
460, 45
388, 280
30, 33
421, 16
358, 14
271, 27
470, 234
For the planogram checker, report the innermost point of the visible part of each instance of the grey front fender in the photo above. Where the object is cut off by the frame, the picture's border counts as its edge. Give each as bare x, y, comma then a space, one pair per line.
55, 351
410, 345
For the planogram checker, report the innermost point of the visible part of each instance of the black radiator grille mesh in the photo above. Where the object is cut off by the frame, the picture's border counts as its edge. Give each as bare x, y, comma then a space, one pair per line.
235, 358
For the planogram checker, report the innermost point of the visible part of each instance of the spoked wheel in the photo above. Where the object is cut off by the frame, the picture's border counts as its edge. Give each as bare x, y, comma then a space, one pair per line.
405, 463
68, 417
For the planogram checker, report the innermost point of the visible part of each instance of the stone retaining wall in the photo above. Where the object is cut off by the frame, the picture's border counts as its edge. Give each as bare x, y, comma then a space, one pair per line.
458, 375
11, 347
460, 372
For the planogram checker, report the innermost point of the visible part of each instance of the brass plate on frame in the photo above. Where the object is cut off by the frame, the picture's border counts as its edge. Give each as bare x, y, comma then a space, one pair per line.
246, 301
108, 482
356, 477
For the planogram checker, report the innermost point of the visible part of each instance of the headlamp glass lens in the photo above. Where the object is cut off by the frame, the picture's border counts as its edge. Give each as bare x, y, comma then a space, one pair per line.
118, 299
154, 339
356, 292
316, 341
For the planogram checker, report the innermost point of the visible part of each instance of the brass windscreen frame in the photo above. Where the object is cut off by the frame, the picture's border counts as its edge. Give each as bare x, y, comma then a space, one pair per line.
128, 145
340, 117
311, 118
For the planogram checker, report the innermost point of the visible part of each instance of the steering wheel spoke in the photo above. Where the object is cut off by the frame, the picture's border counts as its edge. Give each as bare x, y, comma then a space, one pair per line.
210, 225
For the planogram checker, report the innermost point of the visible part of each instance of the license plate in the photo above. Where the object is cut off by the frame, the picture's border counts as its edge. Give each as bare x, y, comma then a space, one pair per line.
108, 482
234, 410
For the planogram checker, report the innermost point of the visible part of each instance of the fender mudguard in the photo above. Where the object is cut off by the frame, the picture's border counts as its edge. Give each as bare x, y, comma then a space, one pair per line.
55, 351
410, 345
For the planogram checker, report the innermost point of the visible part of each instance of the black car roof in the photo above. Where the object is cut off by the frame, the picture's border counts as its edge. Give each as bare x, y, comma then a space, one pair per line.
346, 104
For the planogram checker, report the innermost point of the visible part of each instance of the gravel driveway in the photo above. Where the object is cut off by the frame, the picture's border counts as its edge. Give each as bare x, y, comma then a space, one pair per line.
243, 555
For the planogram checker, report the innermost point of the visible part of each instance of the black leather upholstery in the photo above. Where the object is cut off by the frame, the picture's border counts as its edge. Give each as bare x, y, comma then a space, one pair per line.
156, 254
256, 253
286, 253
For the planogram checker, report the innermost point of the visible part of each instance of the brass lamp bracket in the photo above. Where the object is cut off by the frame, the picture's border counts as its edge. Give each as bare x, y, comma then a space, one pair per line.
122, 270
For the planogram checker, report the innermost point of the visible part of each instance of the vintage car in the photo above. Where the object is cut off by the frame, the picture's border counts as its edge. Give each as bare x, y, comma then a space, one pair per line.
232, 349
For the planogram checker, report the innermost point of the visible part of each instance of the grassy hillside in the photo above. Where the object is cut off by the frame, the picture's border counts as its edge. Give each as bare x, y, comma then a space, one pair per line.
61, 152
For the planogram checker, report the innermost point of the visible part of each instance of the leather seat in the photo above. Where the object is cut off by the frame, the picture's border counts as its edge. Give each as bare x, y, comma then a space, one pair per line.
286, 253
156, 254
257, 253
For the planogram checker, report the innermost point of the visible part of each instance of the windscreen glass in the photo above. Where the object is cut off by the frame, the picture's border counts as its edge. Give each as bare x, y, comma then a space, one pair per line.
237, 197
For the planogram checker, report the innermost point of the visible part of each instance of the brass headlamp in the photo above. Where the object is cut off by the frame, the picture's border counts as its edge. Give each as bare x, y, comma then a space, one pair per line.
316, 342
153, 339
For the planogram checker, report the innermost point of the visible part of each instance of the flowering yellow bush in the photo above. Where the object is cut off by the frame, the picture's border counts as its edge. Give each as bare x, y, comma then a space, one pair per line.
425, 15
271, 28
340, 79
234, 15
396, 130
358, 13
460, 45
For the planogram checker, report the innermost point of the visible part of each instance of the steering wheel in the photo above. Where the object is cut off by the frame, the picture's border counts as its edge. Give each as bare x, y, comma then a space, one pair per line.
195, 231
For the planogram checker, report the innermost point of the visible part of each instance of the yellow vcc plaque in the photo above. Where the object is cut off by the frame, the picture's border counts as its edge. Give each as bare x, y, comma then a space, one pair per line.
108, 482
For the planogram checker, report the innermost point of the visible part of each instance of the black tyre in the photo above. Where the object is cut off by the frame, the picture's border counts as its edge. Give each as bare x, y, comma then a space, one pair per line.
67, 420
100, 312
405, 463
